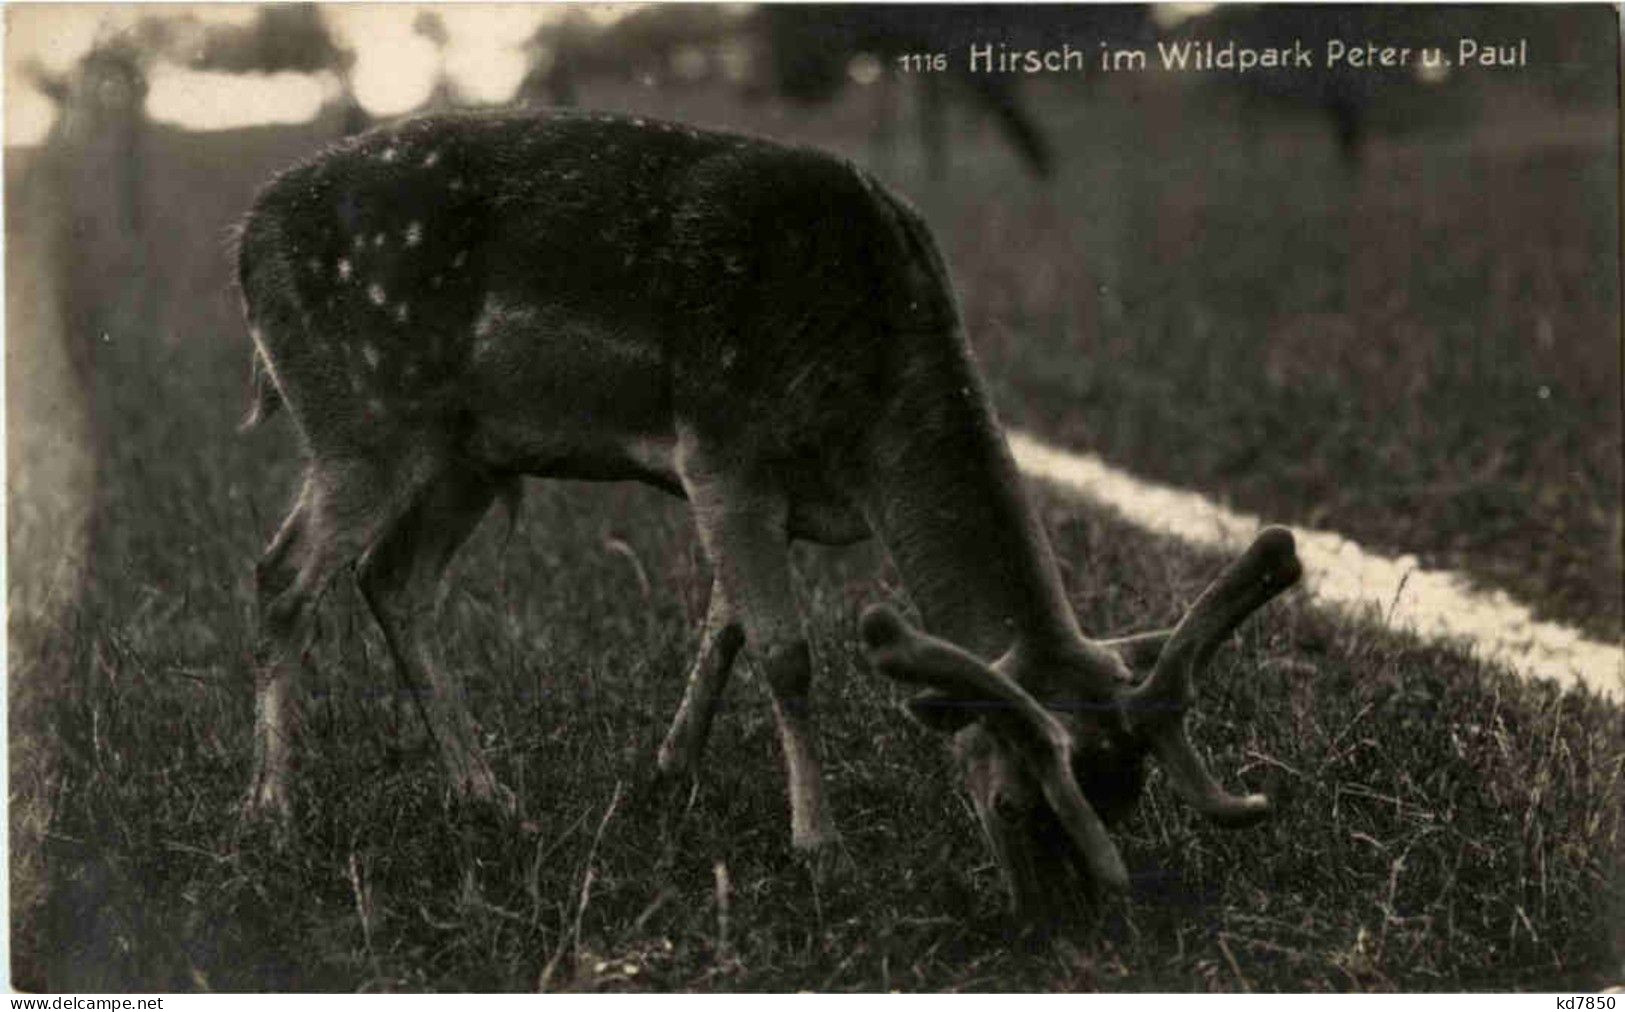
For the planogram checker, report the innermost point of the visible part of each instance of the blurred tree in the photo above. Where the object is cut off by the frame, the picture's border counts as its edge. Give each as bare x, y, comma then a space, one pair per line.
76, 239
100, 123
663, 46
1568, 43
814, 50
803, 52
553, 53
87, 190
282, 37
1342, 97
444, 94
429, 25
88, 183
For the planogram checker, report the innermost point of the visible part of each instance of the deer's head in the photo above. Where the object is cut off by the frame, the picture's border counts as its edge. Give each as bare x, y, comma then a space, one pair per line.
1052, 738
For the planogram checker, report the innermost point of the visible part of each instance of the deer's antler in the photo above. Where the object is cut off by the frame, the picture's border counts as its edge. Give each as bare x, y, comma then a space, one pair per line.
1045, 745
1156, 708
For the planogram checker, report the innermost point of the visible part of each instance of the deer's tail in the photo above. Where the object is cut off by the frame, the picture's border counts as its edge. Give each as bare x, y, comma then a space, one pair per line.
267, 398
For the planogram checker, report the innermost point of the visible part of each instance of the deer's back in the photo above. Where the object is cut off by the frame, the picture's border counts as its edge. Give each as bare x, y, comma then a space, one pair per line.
576, 274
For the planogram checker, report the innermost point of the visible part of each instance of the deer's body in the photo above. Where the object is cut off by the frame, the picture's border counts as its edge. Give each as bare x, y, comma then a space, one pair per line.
452, 303
576, 291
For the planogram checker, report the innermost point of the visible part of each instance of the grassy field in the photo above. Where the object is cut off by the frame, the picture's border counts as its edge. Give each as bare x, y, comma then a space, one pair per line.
1424, 357
1369, 362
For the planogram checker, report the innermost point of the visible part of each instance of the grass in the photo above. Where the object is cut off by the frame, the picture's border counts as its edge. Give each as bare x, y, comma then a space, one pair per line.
1426, 360
1443, 825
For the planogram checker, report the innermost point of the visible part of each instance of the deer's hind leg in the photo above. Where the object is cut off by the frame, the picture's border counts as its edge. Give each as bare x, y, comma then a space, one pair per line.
720, 640
341, 508
276, 668
401, 578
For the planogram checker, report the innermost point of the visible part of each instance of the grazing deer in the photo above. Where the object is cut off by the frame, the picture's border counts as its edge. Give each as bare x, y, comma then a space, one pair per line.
451, 303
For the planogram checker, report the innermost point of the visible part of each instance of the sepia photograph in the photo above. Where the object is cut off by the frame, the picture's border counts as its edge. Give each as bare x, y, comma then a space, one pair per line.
758, 497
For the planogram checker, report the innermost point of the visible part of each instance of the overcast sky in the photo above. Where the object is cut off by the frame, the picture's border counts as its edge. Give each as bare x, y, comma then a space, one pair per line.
394, 70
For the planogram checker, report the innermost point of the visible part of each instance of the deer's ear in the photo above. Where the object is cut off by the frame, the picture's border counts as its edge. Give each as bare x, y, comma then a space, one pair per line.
941, 712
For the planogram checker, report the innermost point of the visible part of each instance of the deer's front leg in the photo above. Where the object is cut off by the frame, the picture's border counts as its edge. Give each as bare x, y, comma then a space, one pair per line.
744, 532
720, 641
788, 668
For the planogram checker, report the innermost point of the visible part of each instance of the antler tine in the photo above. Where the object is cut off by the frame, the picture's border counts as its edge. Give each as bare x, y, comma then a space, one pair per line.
1267, 568
903, 653
1196, 785
1158, 706
1141, 650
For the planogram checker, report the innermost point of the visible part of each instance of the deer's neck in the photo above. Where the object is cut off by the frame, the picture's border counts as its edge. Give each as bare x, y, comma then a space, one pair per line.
946, 499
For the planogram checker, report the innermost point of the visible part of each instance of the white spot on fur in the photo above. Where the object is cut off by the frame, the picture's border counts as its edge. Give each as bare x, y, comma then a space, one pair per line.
371, 354
378, 240
345, 270
498, 318
388, 155
375, 292
460, 259
403, 312
359, 241
431, 159
457, 183
414, 233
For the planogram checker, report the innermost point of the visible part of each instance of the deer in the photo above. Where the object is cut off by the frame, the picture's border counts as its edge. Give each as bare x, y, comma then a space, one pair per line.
447, 305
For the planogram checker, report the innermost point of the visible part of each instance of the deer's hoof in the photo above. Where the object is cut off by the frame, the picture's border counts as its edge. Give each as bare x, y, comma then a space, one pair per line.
267, 801
480, 788
825, 857
265, 815
812, 840
671, 766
